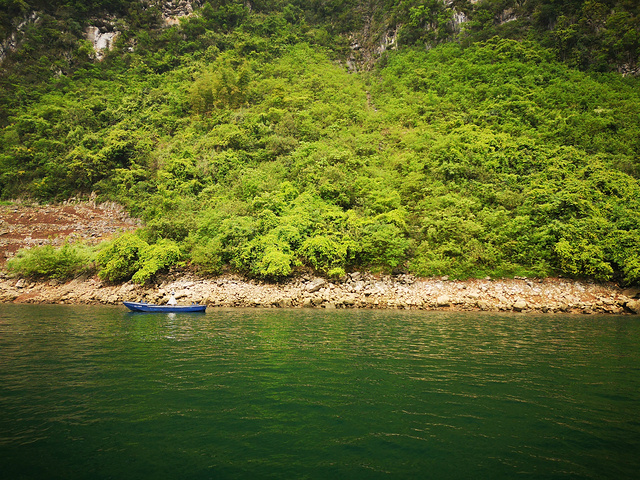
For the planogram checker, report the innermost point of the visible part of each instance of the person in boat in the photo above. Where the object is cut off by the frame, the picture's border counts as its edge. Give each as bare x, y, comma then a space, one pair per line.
172, 300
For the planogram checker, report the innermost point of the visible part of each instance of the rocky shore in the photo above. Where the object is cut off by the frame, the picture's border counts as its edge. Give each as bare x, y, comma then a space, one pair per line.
30, 225
356, 290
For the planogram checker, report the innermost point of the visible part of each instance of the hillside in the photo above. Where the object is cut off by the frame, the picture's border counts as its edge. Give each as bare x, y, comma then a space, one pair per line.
275, 137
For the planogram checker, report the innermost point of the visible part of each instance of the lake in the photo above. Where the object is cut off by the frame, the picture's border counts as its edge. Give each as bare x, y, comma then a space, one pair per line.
97, 392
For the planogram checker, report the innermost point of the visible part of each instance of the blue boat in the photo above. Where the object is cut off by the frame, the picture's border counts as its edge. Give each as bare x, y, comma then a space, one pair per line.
153, 308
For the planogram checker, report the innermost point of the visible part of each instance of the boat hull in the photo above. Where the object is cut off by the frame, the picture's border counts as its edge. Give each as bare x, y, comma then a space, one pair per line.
152, 308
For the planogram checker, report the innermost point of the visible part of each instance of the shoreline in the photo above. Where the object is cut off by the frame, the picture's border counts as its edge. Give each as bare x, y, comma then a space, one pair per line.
356, 290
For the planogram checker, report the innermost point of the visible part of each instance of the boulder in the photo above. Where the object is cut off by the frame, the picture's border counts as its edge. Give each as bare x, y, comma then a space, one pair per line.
631, 292
283, 303
443, 300
316, 285
349, 300
519, 305
634, 306
483, 305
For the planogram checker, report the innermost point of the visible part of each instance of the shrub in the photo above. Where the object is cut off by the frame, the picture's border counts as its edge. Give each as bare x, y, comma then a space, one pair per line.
208, 257
267, 256
326, 254
47, 261
155, 258
583, 259
129, 257
121, 258
383, 245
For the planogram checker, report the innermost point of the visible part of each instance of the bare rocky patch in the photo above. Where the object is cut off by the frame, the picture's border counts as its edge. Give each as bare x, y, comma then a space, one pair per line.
25, 226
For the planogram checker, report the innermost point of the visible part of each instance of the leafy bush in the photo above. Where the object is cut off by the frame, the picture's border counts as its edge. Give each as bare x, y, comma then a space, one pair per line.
328, 254
207, 257
120, 259
268, 256
383, 245
155, 258
583, 259
128, 257
47, 261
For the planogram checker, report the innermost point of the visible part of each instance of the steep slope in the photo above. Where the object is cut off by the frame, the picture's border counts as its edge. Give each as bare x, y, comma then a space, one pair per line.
242, 140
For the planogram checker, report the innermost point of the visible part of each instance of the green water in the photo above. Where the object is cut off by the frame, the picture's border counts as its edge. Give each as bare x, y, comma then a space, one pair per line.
93, 392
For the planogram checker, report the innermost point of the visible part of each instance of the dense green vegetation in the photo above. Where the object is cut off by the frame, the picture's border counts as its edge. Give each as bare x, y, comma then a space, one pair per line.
62, 263
244, 144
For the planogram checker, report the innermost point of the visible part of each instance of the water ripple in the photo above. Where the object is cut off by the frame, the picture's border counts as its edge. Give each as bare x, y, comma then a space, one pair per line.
282, 394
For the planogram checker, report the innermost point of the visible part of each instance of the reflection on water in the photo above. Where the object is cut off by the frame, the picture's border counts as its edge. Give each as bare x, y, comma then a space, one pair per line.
100, 392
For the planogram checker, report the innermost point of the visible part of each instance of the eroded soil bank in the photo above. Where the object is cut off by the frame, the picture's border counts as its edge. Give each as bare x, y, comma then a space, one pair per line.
24, 225
357, 290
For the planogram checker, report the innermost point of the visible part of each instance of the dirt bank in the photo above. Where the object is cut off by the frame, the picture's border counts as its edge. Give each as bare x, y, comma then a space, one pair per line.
23, 225
357, 290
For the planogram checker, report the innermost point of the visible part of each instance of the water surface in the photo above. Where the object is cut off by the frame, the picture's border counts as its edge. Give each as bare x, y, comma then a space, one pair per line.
97, 392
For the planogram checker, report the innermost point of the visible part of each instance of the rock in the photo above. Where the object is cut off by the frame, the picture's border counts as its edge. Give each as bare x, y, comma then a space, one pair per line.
316, 285
316, 301
631, 292
100, 40
283, 303
349, 300
443, 301
634, 306
519, 305
363, 291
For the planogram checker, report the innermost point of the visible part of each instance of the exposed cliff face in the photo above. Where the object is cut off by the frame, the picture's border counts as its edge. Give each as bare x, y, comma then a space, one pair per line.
13, 41
173, 10
101, 39
104, 32
382, 33
382, 26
